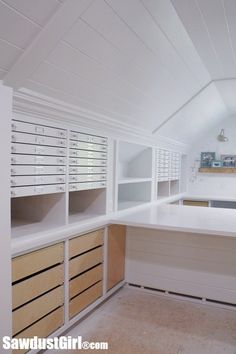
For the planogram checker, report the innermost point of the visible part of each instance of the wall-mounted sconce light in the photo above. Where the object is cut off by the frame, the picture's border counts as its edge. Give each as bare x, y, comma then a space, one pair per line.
221, 137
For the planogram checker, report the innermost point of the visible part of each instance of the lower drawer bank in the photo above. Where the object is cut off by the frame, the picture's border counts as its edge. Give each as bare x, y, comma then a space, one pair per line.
38, 281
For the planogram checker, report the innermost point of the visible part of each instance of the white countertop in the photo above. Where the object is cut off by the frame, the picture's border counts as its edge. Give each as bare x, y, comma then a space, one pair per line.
215, 221
158, 215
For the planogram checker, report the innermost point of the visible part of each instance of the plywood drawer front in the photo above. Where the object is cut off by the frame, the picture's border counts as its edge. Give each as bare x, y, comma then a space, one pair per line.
85, 243
88, 154
37, 140
87, 138
36, 180
87, 170
36, 309
87, 162
37, 150
83, 300
201, 203
25, 127
37, 160
87, 146
36, 261
37, 170
86, 186
116, 254
85, 280
39, 284
37, 190
87, 178
44, 327
85, 261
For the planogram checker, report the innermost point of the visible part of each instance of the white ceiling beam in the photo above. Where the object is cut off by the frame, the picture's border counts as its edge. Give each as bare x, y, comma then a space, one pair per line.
63, 19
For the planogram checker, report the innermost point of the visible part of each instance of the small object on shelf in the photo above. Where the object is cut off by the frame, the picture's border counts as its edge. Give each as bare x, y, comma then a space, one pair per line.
217, 163
228, 160
207, 158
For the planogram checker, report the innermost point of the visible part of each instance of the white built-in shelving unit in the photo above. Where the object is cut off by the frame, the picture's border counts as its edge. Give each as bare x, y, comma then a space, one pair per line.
168, 169
134, 174
58, 175
87, 175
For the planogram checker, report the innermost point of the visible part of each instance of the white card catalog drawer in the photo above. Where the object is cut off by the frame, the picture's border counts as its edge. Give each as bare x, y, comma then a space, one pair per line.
37, 139
36, 180
18, 170
87, 154
25, 127
86, 170
86, 186
85, 178
36, 190
37, 150
87, 162
88, 138
87, 146
37, 160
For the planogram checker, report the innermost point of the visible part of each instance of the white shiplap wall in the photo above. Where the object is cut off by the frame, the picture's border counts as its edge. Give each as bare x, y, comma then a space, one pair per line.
197, 265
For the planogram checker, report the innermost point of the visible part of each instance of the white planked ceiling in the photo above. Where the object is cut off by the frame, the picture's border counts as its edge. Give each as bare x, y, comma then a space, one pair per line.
146, 63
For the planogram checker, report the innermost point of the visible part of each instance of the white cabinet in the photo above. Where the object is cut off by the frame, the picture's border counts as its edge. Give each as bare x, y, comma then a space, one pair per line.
87, 175
87, 150
168, 171
33, 145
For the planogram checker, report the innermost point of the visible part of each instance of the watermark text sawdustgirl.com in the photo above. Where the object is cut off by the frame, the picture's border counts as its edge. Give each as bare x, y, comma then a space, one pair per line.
64, 342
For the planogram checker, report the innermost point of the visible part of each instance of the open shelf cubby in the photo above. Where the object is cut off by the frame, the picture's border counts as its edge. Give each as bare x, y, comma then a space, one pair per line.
38, 213
87, 204
163, 189
133, 194
134, 163
174, 187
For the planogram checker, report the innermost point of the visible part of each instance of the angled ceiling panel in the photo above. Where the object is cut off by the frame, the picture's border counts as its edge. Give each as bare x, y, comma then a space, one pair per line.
134, 61
37, 11
197, 117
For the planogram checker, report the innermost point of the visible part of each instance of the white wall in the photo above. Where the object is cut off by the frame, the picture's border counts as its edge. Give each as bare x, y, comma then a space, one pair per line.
213, 184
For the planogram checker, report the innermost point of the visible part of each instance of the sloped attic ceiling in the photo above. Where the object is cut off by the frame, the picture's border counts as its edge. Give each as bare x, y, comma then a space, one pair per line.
146, 63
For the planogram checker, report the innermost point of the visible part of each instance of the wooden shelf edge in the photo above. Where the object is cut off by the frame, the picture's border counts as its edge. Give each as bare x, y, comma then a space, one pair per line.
217, 170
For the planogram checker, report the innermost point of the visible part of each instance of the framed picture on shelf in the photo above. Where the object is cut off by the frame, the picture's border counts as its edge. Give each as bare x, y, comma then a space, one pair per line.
207, 158
228, 160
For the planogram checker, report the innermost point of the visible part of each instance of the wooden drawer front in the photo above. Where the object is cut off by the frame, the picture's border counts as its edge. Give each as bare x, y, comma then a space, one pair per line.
85, 280
85, 243
37, 285
33, 311
33, 262
85, 261
83, 300
201, 203
25, 127
44, 327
